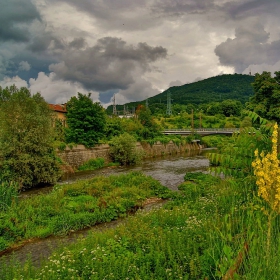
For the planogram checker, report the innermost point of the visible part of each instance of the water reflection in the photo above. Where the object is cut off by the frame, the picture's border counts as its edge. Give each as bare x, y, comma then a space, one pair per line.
169, 170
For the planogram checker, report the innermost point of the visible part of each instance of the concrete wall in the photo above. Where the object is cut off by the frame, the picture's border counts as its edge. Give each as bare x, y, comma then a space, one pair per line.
78, 155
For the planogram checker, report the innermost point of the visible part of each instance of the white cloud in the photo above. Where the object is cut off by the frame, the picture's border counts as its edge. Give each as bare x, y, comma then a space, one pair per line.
55, 90
16, 80
259, 68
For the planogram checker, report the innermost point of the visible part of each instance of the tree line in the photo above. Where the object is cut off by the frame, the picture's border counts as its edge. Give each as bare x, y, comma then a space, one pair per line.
29, 138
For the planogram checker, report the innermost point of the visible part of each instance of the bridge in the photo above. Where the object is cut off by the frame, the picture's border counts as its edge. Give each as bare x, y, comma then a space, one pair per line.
201, 131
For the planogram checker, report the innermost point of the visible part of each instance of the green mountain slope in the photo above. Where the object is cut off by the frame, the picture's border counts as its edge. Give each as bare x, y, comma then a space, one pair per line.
214, 89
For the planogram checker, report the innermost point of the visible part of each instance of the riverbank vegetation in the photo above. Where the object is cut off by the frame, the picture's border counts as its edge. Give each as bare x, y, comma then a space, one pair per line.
211, 229
27, 155
28, 142
215, 227
73, 206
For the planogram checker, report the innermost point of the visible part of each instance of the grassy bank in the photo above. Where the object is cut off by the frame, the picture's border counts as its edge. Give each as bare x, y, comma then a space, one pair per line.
212, 229
75, 206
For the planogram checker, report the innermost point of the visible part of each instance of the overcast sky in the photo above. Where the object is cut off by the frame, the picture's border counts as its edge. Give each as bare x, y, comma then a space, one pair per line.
132, 48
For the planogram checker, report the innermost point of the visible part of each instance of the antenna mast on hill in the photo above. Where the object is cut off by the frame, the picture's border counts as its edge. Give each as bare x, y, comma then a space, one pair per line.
114, 105
168, 108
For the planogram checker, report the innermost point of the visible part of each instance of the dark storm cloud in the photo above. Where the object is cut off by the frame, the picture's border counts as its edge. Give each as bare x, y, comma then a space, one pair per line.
15, 15
106, 96
110, 64
117, 14
78, 43
250, 46
46, 41
250, 8
171, 7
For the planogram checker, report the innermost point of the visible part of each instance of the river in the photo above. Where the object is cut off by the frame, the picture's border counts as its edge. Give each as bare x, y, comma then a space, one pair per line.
169, 170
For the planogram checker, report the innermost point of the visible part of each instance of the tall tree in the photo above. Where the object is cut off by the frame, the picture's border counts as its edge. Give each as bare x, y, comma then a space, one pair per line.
266, 101
26, 152
86, 120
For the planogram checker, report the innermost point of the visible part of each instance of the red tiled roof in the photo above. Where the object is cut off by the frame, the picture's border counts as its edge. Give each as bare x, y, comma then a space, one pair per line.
58, 108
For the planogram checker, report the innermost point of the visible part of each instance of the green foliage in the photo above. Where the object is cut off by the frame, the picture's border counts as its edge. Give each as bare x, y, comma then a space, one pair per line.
266, 102
61, 146
114, 127
200, 234
165, 139
215, 89
123, 150
26, 138
194, 136
246, 122
212, 228
8, 194
227, 107
76, 206
92, 164
214, 140
86, 121
231, 107
236, 155
59, 131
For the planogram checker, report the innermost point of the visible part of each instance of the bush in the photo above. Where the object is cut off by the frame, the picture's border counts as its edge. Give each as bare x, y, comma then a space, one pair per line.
92, 164
123, 150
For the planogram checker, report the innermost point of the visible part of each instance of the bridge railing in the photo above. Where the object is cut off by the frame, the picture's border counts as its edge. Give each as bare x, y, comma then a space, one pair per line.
203, 129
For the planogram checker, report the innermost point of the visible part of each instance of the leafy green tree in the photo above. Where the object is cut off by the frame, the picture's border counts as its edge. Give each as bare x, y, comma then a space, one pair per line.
246, 122
150, 128
59, 130
113, 127
145, 116
266, 101
27, 155
86, 120
214, 108
231, 107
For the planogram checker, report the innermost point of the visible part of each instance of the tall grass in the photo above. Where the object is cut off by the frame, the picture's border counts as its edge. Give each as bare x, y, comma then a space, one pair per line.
211, 229
92, 164
8, 194
76, 206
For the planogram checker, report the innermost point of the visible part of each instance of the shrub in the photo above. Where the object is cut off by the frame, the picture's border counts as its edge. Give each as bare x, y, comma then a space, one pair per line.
123, 150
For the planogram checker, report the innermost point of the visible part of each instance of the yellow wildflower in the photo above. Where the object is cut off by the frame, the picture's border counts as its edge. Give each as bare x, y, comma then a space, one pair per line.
267, 172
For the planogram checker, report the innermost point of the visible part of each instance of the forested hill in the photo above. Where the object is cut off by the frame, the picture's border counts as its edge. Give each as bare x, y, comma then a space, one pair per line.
214, 89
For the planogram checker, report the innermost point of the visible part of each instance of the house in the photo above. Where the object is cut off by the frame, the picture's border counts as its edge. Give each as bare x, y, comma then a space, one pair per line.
60, 112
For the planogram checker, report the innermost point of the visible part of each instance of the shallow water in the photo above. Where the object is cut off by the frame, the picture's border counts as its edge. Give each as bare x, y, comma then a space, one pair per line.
169, 170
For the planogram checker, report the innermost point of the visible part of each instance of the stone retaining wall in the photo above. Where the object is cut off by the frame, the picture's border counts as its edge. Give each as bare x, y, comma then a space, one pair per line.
79, 154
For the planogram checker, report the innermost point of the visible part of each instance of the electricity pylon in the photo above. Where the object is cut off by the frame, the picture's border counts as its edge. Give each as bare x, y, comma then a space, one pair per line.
114, 105
168, 107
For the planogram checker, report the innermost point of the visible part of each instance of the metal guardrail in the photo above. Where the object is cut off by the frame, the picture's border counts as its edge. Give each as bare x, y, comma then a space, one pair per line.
203, 129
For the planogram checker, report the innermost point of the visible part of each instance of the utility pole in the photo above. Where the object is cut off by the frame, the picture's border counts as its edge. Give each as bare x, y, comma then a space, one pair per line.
114, 105
200, 120
192, 121
168, 107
